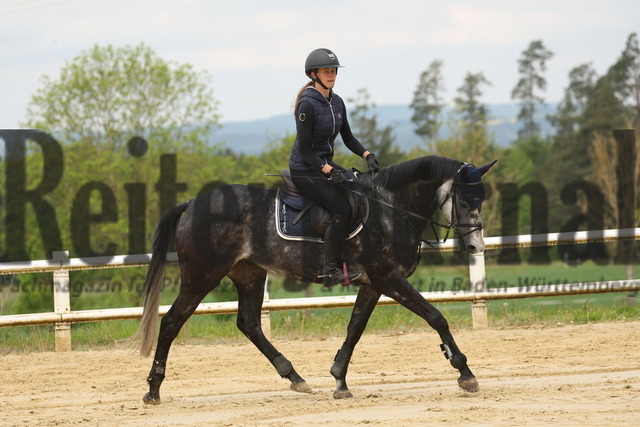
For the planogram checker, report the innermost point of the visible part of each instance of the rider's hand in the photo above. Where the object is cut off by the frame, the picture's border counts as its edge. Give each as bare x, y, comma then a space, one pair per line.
337, 177
373, 163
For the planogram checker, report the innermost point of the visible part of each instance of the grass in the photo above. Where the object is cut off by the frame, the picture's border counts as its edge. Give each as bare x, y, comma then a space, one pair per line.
310, 324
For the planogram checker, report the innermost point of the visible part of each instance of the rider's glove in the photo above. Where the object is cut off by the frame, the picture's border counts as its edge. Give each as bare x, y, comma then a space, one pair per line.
337, 177
373, 163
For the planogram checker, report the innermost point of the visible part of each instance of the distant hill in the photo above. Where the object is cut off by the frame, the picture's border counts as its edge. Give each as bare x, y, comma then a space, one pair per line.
251, 137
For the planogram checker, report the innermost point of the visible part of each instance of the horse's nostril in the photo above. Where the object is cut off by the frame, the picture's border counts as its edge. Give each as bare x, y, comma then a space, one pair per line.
472, 249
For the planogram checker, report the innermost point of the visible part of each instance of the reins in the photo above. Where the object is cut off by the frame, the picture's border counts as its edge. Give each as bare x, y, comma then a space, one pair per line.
430, 221
382, 200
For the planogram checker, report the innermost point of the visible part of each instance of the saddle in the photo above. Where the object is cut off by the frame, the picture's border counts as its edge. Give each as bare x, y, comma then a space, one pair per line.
299, 218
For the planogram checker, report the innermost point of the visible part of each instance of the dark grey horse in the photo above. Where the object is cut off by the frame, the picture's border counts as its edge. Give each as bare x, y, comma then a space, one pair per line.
231, 232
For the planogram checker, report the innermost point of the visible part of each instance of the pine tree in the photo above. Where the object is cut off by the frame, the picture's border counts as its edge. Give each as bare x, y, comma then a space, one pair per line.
472, 112
531, 65
624, 77
427, 103
364, 122
582, 81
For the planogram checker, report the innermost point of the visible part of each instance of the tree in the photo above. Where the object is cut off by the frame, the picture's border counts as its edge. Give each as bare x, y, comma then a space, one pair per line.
427, 104
472, 113
531, 65
106, 95
624, 77
604, 113
469, 138
570, 139
567, 120
365, 127
100, 100
604, 110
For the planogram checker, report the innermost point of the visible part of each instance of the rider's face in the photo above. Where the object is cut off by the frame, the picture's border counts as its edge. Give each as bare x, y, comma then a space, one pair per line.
327, 76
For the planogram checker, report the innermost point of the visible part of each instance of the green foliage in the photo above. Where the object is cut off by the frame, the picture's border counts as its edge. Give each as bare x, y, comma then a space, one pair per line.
530, 66
583, 146
603, 112
624, 76
107, 94
470, 133
36, 294
568, 117
365, 127
427, 103
101, 99
470, 109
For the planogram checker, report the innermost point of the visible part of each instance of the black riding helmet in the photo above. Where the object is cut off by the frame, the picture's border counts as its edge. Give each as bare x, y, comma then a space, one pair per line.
320, 58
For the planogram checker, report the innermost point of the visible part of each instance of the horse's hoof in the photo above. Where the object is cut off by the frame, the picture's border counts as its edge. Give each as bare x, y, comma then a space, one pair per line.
151, 400
469, 384
342, 394
301, 387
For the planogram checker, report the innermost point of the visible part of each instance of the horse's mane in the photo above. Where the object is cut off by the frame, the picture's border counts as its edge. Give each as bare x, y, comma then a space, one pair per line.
426, 168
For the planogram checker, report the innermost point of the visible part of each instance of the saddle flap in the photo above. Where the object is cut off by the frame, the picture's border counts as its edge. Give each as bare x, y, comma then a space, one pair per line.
320, 218
288, 187
289, 192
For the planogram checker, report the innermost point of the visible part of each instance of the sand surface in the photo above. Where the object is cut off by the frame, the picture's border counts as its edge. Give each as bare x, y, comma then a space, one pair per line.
564, 375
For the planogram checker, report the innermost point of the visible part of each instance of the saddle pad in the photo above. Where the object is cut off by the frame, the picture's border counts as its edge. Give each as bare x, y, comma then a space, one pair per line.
303, 230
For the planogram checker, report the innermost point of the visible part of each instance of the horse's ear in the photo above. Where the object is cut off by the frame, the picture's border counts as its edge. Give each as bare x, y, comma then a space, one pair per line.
464, 171
483, 169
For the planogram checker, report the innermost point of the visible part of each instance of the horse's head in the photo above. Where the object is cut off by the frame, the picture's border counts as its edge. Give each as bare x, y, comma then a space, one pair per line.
461, 200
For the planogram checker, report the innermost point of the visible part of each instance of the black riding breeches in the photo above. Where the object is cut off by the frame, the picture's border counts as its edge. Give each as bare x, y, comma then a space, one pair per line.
318, 188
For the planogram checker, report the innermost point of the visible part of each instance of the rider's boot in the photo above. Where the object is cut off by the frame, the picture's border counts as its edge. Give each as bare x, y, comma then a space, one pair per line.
333, 239
332, 275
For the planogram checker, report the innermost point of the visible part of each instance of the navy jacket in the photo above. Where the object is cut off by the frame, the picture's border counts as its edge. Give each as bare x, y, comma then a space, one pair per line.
318, 122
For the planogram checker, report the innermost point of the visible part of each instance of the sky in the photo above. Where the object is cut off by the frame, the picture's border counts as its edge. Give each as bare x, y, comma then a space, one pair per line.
255, 50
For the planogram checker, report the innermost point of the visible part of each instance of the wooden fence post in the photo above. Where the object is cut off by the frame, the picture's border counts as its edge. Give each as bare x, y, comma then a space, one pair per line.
265, 316
61, 301
477, 279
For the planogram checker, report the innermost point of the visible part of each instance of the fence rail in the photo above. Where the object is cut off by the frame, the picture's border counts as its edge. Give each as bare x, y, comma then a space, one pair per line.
60, 265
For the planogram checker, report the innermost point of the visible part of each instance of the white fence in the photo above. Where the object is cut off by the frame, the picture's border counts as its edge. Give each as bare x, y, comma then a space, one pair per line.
60, 265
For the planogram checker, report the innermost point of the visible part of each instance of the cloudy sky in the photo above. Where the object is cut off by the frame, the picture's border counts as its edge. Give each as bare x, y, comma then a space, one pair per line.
255, 50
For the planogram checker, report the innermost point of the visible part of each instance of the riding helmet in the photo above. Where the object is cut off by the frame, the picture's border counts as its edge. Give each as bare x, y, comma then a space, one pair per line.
320, 58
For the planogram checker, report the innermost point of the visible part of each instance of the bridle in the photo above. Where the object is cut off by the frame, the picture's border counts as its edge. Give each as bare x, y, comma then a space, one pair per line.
454, 222
431, 222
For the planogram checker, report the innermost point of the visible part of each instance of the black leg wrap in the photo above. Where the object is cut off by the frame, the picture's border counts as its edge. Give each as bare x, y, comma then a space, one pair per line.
446, 348
453, 354
283, 366
157, 372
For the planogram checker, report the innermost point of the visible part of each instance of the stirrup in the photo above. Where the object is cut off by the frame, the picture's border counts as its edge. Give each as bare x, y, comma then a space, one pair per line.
332, 275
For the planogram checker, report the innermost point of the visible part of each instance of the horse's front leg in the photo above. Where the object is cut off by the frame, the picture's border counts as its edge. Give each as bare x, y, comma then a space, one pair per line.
364, 305
401, 291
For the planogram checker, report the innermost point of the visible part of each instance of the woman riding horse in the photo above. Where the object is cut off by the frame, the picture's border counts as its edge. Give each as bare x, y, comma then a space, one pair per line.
320, 116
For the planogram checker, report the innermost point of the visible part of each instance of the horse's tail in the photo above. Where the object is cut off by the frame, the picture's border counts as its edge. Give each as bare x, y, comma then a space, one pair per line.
163, 237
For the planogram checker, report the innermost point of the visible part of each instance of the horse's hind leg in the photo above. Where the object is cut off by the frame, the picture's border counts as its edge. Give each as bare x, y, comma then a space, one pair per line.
401, 291
364, 305
249, 280
182, 308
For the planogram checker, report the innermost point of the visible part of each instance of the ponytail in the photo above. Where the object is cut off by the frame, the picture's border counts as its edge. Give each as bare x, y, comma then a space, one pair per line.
295, 105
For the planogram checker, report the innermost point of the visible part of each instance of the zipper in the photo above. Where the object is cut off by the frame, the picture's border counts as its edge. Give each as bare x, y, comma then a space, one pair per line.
333, 118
